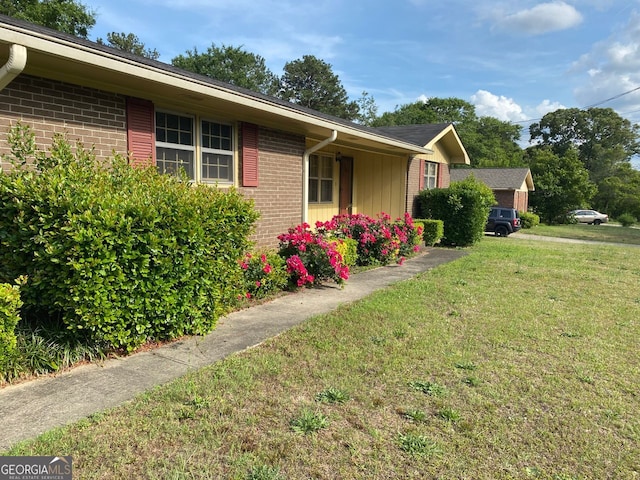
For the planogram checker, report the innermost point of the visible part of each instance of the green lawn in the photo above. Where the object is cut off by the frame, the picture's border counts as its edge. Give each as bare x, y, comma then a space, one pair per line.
517, 361
600, 233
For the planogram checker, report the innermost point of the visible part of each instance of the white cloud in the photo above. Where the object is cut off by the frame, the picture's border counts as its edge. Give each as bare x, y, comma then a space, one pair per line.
543, 18
612, 69
547, 106
489, 105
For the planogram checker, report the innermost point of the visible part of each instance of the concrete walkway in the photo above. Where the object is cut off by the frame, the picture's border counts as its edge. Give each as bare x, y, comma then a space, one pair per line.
31, 408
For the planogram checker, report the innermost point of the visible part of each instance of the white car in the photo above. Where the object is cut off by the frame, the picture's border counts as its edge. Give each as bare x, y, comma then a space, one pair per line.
589, 216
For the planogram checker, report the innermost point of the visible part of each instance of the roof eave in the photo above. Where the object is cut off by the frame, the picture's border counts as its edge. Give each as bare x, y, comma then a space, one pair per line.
44, 50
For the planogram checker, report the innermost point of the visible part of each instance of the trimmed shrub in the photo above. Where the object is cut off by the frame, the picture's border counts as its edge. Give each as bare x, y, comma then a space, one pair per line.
626, 219
264, 274
119, 254
529, 219
10, 304
433, 231
348, 249
463, 207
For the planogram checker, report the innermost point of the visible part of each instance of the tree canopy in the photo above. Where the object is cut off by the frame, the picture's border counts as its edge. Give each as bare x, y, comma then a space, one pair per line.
129, 43
489, 142
232, 65
603, 139
310, 82
562, 183
68, 16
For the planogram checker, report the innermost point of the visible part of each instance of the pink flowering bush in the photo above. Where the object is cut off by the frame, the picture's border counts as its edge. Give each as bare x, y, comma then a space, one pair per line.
409, 235
311, 258
375, 240
264, 274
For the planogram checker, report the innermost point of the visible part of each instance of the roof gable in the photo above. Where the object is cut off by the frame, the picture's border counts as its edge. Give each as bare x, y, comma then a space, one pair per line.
428, 135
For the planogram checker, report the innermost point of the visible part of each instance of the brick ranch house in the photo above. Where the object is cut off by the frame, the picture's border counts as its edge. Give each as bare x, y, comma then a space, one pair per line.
511, 186
298, 165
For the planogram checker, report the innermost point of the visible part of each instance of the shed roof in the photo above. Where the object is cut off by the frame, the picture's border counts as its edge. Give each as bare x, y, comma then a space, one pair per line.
497, 178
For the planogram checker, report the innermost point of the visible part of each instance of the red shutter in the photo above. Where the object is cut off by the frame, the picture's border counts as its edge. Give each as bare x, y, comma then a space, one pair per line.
249, 155
421, 180
141, 137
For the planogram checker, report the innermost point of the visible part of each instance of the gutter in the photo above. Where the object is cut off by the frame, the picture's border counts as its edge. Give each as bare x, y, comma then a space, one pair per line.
305, 172
14, 66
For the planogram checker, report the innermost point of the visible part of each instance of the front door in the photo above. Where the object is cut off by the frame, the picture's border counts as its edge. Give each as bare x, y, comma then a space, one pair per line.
346, 185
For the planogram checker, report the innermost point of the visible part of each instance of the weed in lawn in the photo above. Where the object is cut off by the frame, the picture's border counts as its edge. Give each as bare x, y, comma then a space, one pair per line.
264, 472
378, 341
570, 334
472, 381
332, 395
449, 414
418, 445
309, 421
466, 365
415, 415
429, 388
400, 333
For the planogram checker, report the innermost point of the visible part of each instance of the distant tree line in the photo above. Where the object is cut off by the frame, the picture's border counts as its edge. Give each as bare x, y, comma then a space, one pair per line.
578, 157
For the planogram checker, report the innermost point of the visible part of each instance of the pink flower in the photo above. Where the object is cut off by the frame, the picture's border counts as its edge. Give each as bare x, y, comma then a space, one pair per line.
267, 268
258, 283
263, 258
400, 260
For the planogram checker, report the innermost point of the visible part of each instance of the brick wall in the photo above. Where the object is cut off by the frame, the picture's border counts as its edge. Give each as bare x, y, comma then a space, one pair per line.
89, 116
278, 196
413, 187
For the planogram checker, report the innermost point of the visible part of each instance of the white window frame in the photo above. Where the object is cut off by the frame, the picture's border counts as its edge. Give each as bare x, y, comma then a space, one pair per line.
197, 150
177, 146
323, 161
430, 180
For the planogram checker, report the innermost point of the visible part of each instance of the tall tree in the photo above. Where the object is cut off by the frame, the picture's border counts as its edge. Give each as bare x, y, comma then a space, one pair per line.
310, 82
433, 110
562, 183
129, 43
367, 109
232, 65
68, 16
494, 143
603, 139
489, 142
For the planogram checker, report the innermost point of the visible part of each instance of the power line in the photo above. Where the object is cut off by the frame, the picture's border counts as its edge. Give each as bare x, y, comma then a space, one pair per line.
615, 97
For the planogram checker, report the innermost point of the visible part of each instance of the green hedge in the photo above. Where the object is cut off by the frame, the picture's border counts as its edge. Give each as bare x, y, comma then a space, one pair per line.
463, 207
433, 230
529, 219
119, 254
10, 304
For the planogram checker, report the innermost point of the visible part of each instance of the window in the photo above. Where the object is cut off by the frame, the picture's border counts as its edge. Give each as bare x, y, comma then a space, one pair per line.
320, 179
430, 175
176, 148
217, 152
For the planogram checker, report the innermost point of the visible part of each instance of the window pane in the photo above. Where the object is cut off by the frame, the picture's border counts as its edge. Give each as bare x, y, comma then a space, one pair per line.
171, 160
313, 191
327, 191
217, 167
314, 168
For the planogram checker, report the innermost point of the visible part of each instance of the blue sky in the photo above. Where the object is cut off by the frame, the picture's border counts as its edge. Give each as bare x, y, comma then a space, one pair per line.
514, 59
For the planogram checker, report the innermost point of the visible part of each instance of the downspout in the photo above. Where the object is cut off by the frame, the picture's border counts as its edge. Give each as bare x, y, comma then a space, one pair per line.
305, 172
14, 66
